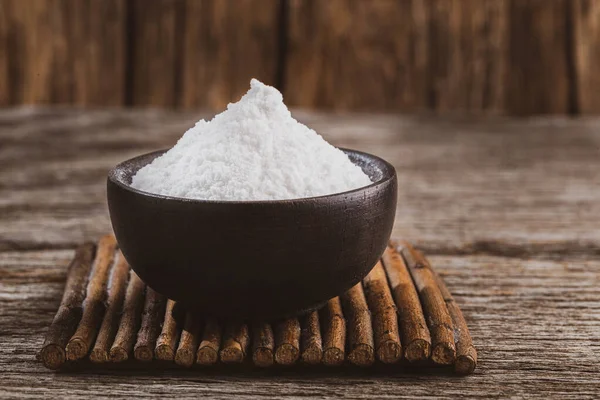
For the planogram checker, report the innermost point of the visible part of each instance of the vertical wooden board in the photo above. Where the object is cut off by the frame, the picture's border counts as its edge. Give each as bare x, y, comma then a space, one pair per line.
352, 54
97, 43
63, 51
468, 55
155, 54
538, 76
5, 97
228, 42
586, 15
12, 55
38, 51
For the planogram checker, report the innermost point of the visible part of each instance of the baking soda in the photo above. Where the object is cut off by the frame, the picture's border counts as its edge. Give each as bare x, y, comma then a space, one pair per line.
254, 150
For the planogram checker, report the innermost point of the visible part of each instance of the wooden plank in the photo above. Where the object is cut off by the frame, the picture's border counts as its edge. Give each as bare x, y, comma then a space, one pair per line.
475, 56
465, 185
42, 40
228, 42
352, 54
586, 14
156, 52
64, 51
97, 47
5, 50
467, 55
538, 76
534, 321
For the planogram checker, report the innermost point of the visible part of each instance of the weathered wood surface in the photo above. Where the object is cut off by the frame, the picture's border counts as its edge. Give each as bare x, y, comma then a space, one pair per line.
535, 323
355, 54
226, 44
493, 186
397, 55
507, 210
155, 60
538, 78
477, 56
586, 22
62, 51
468, 46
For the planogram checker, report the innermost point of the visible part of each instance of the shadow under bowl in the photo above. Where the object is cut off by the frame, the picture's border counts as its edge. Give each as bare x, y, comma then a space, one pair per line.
253, 259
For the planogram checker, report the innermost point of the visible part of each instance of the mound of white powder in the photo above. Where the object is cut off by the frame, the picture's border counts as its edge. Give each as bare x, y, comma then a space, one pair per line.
254, 150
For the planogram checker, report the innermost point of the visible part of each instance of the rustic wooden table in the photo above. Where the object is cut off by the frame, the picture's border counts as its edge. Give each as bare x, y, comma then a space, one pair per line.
508, 210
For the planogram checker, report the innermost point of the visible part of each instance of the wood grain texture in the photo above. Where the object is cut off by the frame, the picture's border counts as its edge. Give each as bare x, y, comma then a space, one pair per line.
6, 29
227, 42
236, 341
414, 332
586, 22
156, 53
122, 347
384, 315
507, 211
263, 344
538, 77
208, 350
525, 186
166, 343
189, 340
439, 321
41, 61
334, 333
360, 346
115, 295
70, 310
97, 47
94, 304
467, 48
153, 315
520, 57
287, 341
510, 303
311, 339
349, 54
466, 354
63, 51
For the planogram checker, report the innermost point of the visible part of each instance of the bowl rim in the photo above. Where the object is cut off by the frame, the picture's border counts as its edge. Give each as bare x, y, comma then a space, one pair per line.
388, 174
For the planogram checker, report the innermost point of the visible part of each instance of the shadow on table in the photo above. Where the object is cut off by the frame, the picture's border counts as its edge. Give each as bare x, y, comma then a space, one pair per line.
248, 370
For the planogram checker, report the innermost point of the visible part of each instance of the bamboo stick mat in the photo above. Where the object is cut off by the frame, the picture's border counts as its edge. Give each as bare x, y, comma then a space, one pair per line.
401, 312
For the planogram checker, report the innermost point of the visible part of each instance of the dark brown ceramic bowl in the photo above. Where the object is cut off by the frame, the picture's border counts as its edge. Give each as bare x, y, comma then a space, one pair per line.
253, 258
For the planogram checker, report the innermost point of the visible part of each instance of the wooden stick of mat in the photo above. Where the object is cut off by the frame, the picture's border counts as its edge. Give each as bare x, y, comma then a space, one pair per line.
116, 294
384, 315
167, 340
466, 354
130, 319
93, 305
235, 345
263, 344
360, 329
208, 351
287, 341
69, 312
311, 341
188, 342
334, 333
152, 315
415, 336
440, 323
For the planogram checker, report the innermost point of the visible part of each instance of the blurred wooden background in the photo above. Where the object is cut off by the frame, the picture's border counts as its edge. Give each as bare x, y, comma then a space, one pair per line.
517, 57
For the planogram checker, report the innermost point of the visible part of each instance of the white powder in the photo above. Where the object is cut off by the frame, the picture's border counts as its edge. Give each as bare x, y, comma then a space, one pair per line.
254, 150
